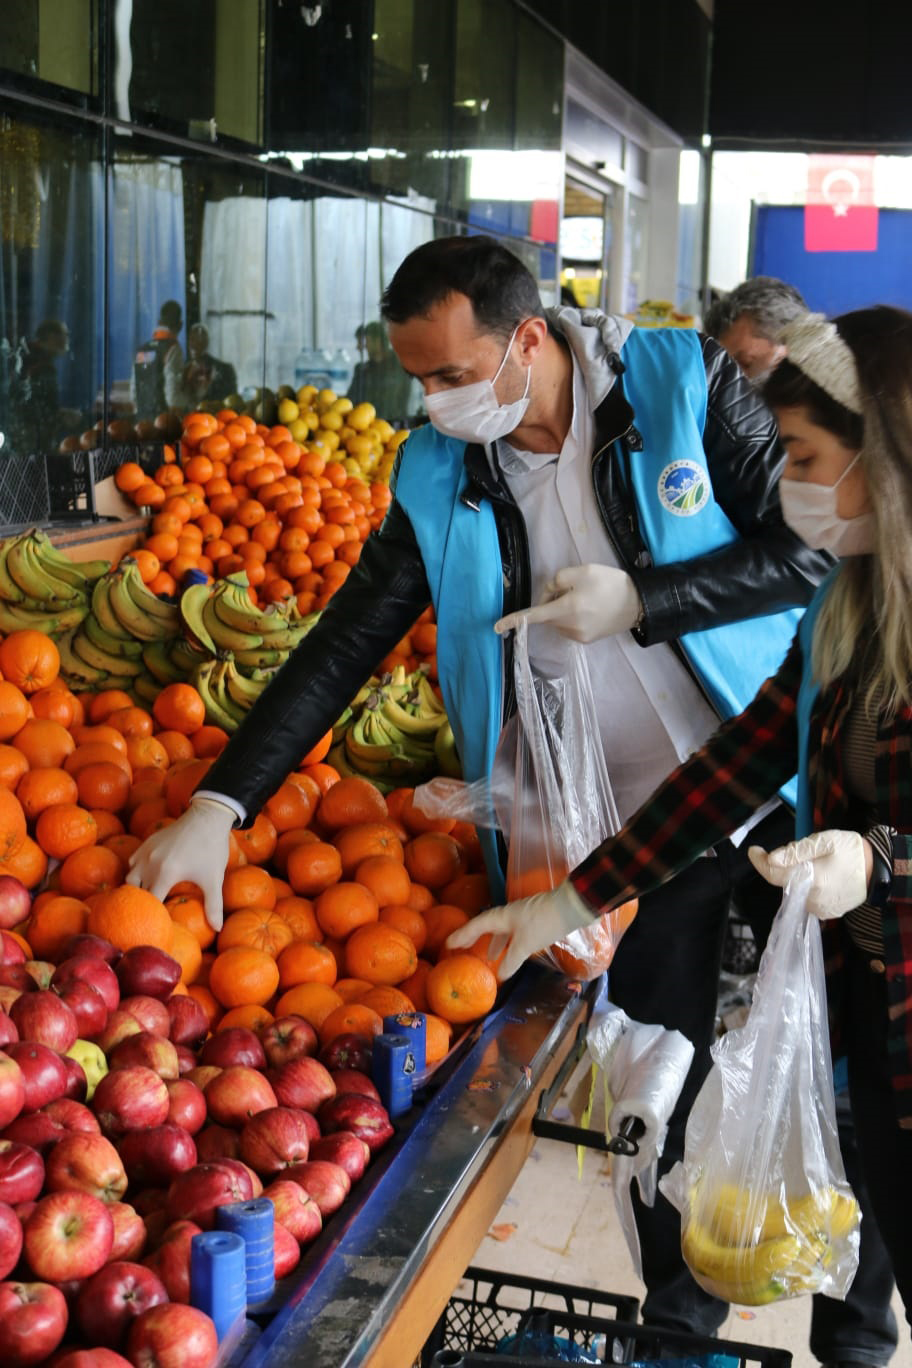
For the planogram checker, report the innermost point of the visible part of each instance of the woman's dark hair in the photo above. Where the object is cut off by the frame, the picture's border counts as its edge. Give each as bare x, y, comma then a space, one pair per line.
789, 387
501, 290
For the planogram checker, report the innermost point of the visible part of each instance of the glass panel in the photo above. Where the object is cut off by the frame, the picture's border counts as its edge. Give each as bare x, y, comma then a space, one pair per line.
51, 312
51, 40
585, 245
635, 253
194, 68
539, 86
593, 140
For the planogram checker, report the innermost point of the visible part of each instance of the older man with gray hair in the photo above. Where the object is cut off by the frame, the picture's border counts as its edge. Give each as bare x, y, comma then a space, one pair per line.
748, 321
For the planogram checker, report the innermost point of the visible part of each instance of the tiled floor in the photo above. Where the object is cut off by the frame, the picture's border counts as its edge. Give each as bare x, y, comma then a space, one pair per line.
555, 1226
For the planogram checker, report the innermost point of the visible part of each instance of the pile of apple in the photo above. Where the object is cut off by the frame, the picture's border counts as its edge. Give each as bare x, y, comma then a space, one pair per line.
124, 1126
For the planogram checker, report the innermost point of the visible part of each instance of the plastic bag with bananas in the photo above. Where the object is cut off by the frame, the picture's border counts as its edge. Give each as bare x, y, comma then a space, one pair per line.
40, 587
766, 1211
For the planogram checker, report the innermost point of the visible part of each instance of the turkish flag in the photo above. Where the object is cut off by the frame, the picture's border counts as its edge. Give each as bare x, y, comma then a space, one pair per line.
840, 214
544, 220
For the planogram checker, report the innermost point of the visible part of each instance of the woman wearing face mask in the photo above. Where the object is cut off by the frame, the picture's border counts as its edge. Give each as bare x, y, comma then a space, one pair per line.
839, 711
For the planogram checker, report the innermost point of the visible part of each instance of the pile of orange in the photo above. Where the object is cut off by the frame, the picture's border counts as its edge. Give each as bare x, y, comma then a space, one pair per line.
244, 496
338, 900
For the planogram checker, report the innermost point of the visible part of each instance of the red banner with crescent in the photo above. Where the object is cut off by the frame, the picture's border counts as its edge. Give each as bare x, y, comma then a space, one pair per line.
840, 213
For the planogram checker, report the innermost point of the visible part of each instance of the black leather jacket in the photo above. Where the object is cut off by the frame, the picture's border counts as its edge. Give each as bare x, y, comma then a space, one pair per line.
767, 570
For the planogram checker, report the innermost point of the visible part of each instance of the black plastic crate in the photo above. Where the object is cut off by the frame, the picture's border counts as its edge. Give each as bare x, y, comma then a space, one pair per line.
614, 1341
478, 1319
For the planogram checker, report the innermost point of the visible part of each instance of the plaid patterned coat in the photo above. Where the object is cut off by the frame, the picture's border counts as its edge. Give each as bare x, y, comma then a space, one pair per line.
738, 769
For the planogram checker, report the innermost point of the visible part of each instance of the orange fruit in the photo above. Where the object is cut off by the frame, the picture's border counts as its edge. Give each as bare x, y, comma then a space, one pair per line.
93, 869
102, 785
287, 842
14, 710
252, 1017
29, 659
414, 986
306, 962
51, 926
312, 867
380, 954
107, 701
131, 721
108, 824
461, 988
434, 859
350, 1017
190, 912
417, 822
344, 907
352, 989
42, 788
178, 746
437, 1040
129, 916
63, 828
242, 976
27, 863
147, 752
182, 779
387, 879
186, 949
12, 823
471, 892
209, 741
45, 745
291, 806
179, 708
405, 919
247, 886
359, 842
351, 802
600, 941
258, 841
298, 913
123, 844
440, 920
386, 1000
13, 765
312, 1001
256, 926
420, 898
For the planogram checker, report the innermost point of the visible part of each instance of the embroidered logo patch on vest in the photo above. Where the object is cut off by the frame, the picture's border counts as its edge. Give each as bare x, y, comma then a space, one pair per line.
683, 488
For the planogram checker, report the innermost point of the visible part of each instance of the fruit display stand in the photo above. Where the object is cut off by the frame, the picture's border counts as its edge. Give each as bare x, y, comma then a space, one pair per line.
372, 1288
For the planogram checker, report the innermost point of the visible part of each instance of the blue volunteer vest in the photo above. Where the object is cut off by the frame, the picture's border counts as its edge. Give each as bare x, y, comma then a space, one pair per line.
679, 519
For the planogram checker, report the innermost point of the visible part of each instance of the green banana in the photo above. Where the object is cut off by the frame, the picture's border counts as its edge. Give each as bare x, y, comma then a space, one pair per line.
75, 573
161, 617
37, 580
262, 676
232, 606
156, 656
422, 725
360, 747
261, 657
102, 610
103, 660
445, 752
14, 616
147, 687
9, 589
128, 647
77, 672
428, 702
342, 723
339, 761
226, 638
243, 690
192, 601
65, 579
182, 655
215, 711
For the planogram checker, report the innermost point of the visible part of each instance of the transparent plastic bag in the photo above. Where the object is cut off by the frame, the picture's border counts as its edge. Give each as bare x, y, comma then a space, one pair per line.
766, 1212
549, 793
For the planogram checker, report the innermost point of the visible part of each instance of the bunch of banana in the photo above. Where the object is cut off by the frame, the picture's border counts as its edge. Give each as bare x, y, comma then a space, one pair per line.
211, 680
222, 619
126, 609
106, 649
393, 732
751, 1249
40, 587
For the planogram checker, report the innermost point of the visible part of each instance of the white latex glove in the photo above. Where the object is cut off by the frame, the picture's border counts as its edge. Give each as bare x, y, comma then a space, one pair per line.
194, 848
584, 602
531, 924
841, 862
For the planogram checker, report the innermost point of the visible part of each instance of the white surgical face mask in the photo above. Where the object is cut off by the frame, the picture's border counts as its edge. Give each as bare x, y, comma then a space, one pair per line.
472, 412
810, 511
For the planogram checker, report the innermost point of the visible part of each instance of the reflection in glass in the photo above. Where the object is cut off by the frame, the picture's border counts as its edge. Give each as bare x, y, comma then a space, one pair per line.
635, 247
51, 40
585, 245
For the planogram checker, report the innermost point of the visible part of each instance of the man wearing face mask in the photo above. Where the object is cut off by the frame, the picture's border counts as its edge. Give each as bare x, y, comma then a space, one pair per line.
623, 480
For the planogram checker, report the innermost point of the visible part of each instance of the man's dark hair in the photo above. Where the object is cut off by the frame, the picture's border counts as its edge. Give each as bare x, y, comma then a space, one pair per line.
769, 303
171, 315
501, 290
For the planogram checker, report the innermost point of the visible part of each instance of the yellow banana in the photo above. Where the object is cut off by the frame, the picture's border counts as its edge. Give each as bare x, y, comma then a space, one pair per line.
99, 659
226, 638
9, 589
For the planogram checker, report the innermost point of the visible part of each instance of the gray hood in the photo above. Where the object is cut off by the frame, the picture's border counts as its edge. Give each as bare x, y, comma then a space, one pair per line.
592, 337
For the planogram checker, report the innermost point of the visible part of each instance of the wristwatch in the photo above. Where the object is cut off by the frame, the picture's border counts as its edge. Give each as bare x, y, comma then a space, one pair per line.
881, 880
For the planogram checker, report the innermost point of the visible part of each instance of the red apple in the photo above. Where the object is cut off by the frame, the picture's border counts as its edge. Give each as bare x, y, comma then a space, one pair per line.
158, 1155
287, 1038
8, 1033
21, 1172
87, 1005
36, 1130
348, 1051
312, 1124
202, 1075
189, 1023
44, 1073
294, 1210
171, 1260
237, 1094
328, 1184
45, 1018
256, 1181
151, 1014
33, 1318
11, 952
23, 1211
17, 976
90, 969
186, 1058
91, 1358
15, 902
287, 1251
149, 1199
196, 1194
304, 1083
83, 1162
119, 1025
129, 1232
73, 1116
156, 1223
68, 1235
354, 1081
40, 972
148, 972
130, 1099
84, 945
237, 1045
112, 1299
274, 1139
10, 1239
361, 1115
150, 1051
187, 1107
217, 1142
345, 1149
77, 1087
172, 1336
12, 1090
